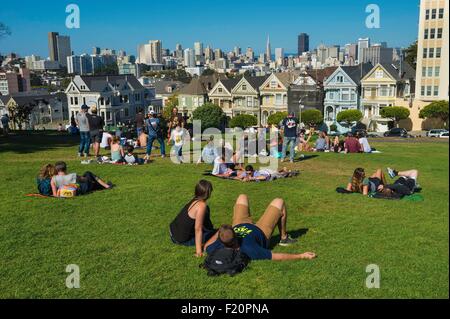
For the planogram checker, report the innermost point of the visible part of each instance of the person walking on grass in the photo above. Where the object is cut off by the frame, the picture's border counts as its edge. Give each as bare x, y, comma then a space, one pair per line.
5, 124
96, 125
85, 136
154, 133
140, 122
253, 239
289, 127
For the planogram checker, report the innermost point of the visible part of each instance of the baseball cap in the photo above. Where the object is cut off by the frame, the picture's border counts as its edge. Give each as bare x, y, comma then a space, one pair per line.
84, 107
151, 112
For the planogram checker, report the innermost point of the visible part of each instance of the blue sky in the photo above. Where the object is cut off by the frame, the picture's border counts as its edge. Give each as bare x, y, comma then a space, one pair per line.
224, 24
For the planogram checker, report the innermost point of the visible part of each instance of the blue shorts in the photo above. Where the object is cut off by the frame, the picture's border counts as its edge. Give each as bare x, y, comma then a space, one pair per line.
207, 234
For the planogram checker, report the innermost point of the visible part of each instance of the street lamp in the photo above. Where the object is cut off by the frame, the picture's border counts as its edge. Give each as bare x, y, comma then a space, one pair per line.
300, 107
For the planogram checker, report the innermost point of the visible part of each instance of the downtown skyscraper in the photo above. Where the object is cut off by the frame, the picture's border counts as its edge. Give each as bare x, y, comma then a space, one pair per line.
303, 43
268, 50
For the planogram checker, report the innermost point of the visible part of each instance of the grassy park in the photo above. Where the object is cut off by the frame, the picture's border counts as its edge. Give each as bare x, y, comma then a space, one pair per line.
119, 238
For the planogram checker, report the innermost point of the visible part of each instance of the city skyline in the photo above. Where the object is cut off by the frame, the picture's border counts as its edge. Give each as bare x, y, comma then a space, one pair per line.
29, 35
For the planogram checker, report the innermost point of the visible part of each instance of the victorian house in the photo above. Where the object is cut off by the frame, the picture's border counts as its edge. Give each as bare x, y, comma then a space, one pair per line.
382, 87
342, 92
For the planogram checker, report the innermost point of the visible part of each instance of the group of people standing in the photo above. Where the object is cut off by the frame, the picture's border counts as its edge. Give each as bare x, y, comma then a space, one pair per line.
149, 128
296, 138
91, 127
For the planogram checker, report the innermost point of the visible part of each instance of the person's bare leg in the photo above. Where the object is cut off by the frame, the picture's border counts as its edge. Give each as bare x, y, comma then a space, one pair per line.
279, 203
411, 173
380, 175
242, 200
97, 149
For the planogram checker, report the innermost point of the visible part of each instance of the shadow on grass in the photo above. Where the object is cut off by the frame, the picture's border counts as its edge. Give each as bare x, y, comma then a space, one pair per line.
30, 142
306, 158
296, 234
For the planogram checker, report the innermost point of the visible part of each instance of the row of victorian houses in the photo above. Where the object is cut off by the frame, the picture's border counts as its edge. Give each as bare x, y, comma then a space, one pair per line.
331, 90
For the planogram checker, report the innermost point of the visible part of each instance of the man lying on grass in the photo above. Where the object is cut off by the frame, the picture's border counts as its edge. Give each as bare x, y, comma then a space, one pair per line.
253, 239
405, 185
83, 184
250, 174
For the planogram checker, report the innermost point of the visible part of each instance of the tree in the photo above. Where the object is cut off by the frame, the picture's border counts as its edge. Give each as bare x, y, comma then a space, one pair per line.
35, 80
20, 114
170, 104
65, 83
437, 109
110, 69
396, 113
349, 116
243, 121
210, 116
276, 118
312, 117
209, 72
411, 55
4, 30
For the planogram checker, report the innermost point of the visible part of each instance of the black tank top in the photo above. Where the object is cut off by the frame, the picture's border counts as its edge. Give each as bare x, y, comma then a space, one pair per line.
183, 226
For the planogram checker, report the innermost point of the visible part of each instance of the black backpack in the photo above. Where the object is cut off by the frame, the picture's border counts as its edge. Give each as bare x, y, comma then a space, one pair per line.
225, 261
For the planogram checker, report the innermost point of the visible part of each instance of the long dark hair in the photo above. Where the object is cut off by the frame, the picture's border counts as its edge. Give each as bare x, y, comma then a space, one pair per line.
357, 180
203, 190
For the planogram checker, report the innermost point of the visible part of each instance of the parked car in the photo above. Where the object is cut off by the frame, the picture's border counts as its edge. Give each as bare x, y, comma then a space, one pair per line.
396, 132
436, 133
444, 135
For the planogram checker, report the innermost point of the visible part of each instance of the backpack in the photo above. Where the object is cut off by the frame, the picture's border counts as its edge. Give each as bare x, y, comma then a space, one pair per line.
225, 261
68, 191
44, 186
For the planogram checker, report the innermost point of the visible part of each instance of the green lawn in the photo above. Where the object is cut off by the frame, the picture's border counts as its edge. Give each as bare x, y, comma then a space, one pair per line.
119, 238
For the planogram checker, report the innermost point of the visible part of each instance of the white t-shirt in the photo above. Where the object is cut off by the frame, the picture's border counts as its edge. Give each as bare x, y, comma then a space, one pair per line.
105, 138
130, 159
177, 137
365, 143
219, 167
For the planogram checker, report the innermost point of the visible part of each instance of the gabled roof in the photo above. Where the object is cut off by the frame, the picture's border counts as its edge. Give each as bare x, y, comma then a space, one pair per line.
256, 81
402, 70
160, 86
5, 98
229, 84
196, 87
357, 72
285, 77
98, 83
321, 75
30, 100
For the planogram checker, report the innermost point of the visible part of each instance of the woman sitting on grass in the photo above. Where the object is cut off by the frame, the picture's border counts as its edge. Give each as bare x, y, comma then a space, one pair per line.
338, 145
131, 158
44, 180
358, 183
84, 184
303, 142
117, 153
193, 226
